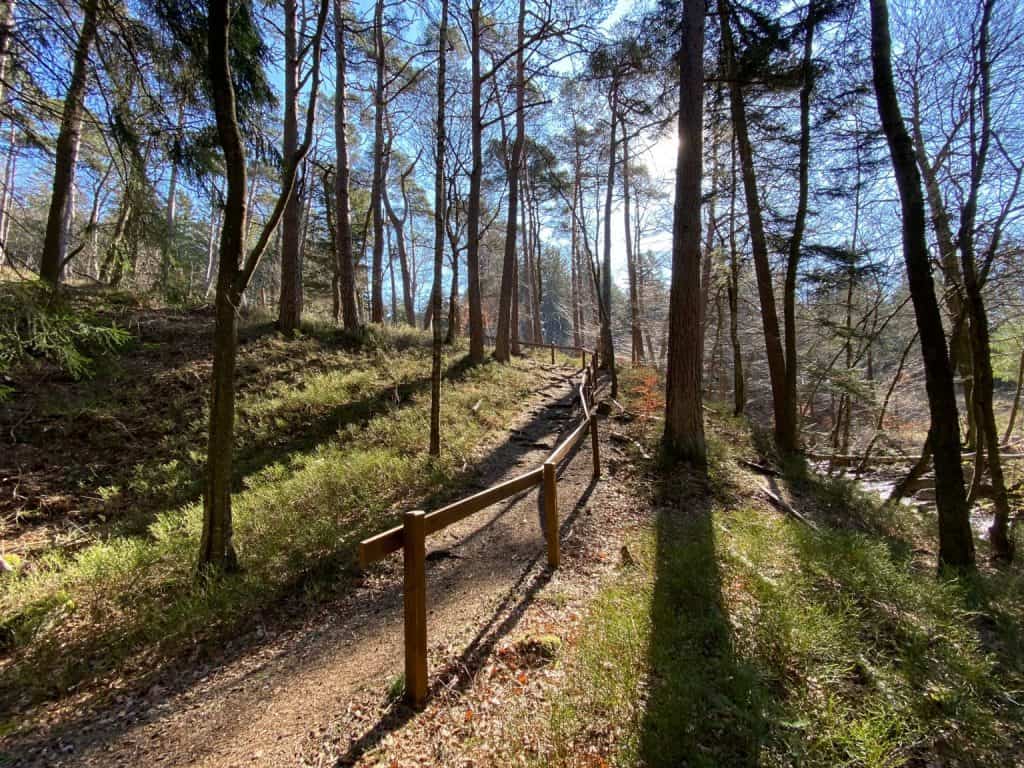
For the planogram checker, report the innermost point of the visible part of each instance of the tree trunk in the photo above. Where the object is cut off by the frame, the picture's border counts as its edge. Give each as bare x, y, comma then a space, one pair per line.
739, 393
211, 250
636, 335
605, 296
216, 550
398, 225
956, 545
1016, 399
289, 309
167, 256
58, 221
999, 534
476, 316
7, 193
342, 207
439, 218
377, 189
684, 418
960, 337
799, 225
6, 35
785, 430
507, 325
574, 256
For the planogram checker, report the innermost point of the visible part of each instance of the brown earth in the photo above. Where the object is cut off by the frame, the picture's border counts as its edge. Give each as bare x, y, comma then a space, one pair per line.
313, 688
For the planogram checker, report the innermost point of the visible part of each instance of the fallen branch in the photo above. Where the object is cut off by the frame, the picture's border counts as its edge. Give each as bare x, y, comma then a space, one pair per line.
760, 468
618, 437
777, 502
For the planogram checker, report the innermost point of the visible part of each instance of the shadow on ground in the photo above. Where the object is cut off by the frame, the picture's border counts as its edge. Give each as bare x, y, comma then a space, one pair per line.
705, 705
291, 606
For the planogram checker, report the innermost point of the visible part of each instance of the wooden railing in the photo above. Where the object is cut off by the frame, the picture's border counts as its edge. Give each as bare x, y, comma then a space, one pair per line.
410, 537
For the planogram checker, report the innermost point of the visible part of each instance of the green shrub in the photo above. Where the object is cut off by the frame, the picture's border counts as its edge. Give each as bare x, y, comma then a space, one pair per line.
35, 322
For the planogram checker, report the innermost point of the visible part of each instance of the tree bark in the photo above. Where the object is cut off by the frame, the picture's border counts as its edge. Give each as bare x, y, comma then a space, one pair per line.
216, 549
956, 545
739, 393
58, 221
398, 225
439, 219
999, 533
476, 316
507, 325
785, 430
342, 206
960, 337
7, 193
1016, 399
636, 334
167, 256
289, 308
574, 256
684, 418
377, 189
799, 226
605, 297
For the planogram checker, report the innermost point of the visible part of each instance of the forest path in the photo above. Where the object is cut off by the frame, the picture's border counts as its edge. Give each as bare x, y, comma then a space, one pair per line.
273, 698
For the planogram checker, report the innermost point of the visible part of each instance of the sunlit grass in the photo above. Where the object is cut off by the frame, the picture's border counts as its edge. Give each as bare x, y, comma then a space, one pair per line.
297, 519
744, 637
759, 641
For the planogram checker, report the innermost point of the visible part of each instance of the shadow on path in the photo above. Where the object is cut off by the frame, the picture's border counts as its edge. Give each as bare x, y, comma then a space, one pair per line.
456, 676
358, 613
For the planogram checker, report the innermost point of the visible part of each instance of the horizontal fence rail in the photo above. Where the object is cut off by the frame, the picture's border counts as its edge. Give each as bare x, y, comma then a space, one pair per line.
411, 535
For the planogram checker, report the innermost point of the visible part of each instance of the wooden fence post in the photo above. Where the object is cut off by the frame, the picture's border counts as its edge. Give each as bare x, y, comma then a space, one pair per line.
552, 353
583, 352
415, 598
594, 445
550, 490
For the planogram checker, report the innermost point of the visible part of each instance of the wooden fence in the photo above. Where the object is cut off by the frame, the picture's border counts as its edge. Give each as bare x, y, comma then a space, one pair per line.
410, 537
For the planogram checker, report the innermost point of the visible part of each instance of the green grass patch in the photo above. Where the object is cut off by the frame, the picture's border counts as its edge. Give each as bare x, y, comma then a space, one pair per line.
743, 637
329, 461
746, 639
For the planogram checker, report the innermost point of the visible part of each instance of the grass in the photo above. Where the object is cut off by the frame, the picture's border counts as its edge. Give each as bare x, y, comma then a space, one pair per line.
744, 637
326, 458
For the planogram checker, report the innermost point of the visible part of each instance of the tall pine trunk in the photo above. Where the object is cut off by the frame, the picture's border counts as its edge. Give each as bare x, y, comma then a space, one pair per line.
607, 346
342, 207
439, 216
377, 188
216, 549
476, 316
956, 545
289, 310
785, 429
684, 418
58, 222
799, 225
508, 330
636, 335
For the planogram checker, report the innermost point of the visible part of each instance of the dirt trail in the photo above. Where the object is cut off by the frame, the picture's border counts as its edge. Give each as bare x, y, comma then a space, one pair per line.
274, 696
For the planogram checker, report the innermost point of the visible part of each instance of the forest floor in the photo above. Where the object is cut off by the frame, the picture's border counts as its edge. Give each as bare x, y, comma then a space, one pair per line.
692, 622
104, 627
730, 633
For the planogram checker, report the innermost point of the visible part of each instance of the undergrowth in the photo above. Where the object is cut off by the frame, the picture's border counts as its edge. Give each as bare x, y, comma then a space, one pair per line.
745, 637
124, 601
37, 323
